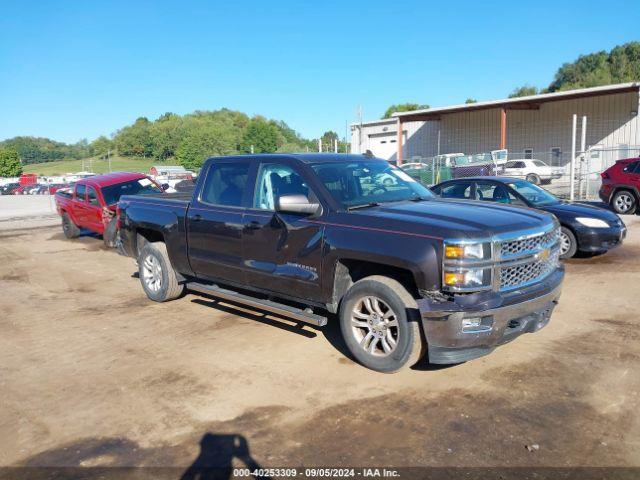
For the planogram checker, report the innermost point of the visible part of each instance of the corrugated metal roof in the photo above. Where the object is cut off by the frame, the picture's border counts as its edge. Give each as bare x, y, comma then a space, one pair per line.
530, 99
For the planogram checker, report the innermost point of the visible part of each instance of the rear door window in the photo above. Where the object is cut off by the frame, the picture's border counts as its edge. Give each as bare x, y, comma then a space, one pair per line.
226, 184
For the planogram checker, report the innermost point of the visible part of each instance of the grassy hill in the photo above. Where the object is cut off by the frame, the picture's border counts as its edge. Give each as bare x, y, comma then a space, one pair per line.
118, 164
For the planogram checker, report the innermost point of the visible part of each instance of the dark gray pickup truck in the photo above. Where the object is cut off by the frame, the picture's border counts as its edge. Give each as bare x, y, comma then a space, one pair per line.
310, 235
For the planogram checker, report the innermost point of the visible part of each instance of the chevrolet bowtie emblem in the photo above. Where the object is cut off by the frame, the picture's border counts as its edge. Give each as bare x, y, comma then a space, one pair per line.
543, 255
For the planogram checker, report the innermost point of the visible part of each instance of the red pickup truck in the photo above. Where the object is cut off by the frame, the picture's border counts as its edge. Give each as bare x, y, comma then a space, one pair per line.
91, 202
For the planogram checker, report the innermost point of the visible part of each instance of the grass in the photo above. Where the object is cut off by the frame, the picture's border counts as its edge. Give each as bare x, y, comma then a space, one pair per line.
95, 165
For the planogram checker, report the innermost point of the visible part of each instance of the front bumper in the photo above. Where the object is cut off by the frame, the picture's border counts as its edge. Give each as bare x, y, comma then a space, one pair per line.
510, 315
600, 239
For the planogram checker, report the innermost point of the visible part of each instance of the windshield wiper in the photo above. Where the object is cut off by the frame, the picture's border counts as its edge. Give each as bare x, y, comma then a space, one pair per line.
364, 205
419, 199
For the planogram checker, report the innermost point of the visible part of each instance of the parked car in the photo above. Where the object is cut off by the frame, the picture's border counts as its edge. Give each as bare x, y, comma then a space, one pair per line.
8, 188
299, 235
621, 186
533, 171
584, 228
91, 204
21, 190
54, 187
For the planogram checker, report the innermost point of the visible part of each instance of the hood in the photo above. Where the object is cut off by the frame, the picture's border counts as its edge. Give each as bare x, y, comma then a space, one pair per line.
566, 209
456, 218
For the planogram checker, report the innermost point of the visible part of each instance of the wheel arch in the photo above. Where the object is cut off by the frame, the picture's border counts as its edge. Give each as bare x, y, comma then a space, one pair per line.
628, 188
350, 270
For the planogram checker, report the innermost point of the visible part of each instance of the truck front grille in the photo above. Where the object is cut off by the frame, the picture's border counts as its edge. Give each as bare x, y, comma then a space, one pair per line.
526, 273
527, 260
513, 248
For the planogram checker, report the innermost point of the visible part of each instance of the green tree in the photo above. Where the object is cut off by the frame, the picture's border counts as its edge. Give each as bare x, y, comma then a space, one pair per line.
100, 146
205, 138
524, 91
10, 165
621, 64
471, 100
135, 140
328, 140
261, 136
403, 107
165, 136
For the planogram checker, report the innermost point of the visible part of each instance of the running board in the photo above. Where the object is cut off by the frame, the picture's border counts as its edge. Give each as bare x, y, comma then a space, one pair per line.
268, 305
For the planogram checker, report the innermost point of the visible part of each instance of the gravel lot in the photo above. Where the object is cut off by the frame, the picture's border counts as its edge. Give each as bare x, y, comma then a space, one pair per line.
94, 374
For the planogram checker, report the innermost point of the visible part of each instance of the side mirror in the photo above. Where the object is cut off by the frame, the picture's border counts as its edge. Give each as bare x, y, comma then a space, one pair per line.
165, 186
296, 204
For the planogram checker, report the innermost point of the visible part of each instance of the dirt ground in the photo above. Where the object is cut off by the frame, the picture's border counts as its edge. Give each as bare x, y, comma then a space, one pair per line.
94, 374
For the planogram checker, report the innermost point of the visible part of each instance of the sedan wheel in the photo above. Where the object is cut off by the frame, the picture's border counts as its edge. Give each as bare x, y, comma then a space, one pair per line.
565, 243
375, 326
568, 243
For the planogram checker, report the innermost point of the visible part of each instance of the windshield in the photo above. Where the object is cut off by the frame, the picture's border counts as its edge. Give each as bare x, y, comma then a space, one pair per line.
369, 182
143, 186
539, 163
535, 195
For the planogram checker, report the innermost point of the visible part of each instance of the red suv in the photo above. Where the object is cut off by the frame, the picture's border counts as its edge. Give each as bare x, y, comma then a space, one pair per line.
621, 185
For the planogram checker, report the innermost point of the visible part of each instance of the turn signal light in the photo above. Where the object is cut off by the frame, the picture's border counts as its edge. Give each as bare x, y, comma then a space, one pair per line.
454, 251
452, 279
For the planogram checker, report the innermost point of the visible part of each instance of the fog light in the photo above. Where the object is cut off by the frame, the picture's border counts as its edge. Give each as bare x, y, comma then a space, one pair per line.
477, 324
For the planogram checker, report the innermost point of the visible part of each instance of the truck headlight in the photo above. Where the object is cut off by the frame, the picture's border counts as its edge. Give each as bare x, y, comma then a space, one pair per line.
467, 278
467, 251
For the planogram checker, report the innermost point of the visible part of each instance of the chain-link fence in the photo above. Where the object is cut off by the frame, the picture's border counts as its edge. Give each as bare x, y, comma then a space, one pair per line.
552, 170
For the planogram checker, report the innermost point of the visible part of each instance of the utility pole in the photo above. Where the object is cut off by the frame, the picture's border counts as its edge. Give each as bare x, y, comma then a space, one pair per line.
335, 145
320, 145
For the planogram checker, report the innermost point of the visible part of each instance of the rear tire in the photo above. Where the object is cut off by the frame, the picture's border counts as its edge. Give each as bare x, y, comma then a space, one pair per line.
380, 324
533, 178
624, 202
568, 243
157, 276
69, 228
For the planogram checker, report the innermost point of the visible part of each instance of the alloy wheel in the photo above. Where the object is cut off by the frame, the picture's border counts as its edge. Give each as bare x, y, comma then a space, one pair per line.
152, 273
375, 326
624, 202
565, 243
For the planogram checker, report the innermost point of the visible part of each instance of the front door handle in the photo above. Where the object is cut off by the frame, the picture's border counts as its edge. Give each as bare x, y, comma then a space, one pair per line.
253, 225
196, 218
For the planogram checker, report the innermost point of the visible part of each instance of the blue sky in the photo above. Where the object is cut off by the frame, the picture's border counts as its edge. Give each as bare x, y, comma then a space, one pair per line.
71, 70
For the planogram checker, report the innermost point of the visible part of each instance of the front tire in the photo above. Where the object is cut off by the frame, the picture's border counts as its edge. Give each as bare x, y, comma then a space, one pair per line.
157, 276
69, 228
624, 202
568, 243
380, 324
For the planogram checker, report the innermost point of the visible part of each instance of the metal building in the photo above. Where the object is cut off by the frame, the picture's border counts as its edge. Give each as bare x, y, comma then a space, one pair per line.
536, 126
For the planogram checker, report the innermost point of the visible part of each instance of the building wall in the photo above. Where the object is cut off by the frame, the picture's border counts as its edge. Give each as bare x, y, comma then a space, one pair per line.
612, 122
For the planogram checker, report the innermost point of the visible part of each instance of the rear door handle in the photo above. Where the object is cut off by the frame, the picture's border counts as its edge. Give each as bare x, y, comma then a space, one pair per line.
196, 218
253, 225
